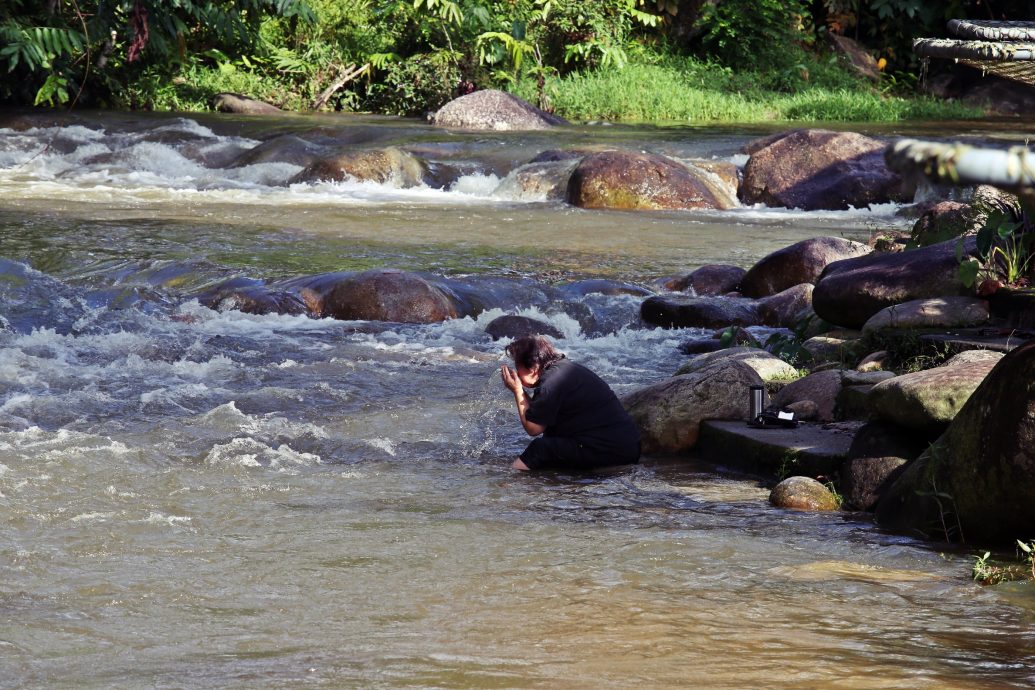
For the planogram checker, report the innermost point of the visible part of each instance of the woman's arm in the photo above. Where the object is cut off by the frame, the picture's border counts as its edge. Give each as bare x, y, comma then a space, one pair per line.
511, 381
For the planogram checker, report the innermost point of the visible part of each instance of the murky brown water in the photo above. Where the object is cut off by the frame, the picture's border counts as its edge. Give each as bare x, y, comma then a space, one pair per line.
193, 498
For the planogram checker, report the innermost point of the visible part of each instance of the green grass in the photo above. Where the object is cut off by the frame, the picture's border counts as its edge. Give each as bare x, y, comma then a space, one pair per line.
691, 91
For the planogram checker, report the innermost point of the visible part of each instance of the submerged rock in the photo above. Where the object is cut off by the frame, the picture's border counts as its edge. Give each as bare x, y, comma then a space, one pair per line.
814, 169
367, 165
494, 110
546, 181
628, 180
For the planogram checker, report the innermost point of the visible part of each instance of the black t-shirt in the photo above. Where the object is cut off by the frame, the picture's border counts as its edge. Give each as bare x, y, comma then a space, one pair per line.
571, 401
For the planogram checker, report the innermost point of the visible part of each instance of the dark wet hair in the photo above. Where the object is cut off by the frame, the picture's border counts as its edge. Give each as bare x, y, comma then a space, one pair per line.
529, 350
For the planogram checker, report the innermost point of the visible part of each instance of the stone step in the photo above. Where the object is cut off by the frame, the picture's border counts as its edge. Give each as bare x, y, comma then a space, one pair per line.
810, 449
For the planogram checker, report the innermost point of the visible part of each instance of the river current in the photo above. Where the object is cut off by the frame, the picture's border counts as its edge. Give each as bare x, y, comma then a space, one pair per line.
193, 496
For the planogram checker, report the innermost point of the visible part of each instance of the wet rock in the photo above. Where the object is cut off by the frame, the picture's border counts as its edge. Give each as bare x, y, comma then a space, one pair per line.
849, 292
937, 312
802, 493
628, 180
931, 398
978, 480
814, 169
700, 345
494, 110
538, 181
669, 413
727, 174
256, 300
875, 460
801, 262
379, 295
708, 280
367, 165
822, 388
698, 312
784, 309
515, 326
286, 148
602, 286
766, 365
243, 105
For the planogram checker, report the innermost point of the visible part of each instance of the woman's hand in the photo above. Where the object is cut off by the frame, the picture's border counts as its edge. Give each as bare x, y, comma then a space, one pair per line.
511, 380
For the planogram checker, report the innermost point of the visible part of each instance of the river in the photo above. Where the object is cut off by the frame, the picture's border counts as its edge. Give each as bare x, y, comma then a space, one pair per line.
197, 497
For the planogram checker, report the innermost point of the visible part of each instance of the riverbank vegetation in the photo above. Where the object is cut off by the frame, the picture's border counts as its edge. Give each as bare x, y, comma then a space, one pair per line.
631, 60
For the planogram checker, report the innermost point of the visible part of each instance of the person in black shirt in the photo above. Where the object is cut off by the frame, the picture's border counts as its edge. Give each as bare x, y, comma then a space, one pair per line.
579, 421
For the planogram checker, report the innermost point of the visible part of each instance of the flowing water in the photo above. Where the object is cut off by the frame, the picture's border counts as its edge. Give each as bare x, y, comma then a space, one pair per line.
200, 497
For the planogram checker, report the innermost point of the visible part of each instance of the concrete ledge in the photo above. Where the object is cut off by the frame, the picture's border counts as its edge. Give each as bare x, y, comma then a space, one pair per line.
810, 449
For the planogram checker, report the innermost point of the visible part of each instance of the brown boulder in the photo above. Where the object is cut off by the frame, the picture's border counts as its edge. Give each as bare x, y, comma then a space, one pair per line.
815, 169
380, 295
875, 460
802, 493
516, 326
849, 292
801, 262
710, 279
628, 180
784, 309
669, 413
367, 165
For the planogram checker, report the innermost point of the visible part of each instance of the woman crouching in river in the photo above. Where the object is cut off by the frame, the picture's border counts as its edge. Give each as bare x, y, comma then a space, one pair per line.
579, 420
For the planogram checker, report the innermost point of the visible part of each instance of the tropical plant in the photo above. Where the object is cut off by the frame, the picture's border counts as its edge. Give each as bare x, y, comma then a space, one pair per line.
1004, 253
55, 51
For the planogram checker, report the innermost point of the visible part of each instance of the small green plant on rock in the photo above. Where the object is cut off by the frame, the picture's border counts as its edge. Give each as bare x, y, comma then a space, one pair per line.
1003, 253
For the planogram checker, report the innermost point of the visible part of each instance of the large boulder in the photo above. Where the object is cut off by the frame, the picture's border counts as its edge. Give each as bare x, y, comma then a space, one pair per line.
710, 279
936, 312
768, 366
801, 262
379, 295
815, 169
671, 311
367, 165
629, 180
849, 292
931, 398
878, 453
977, 482
784, 309
669, 413
494, 110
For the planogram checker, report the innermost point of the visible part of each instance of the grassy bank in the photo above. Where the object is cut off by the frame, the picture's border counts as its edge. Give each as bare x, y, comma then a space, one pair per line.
696, 92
